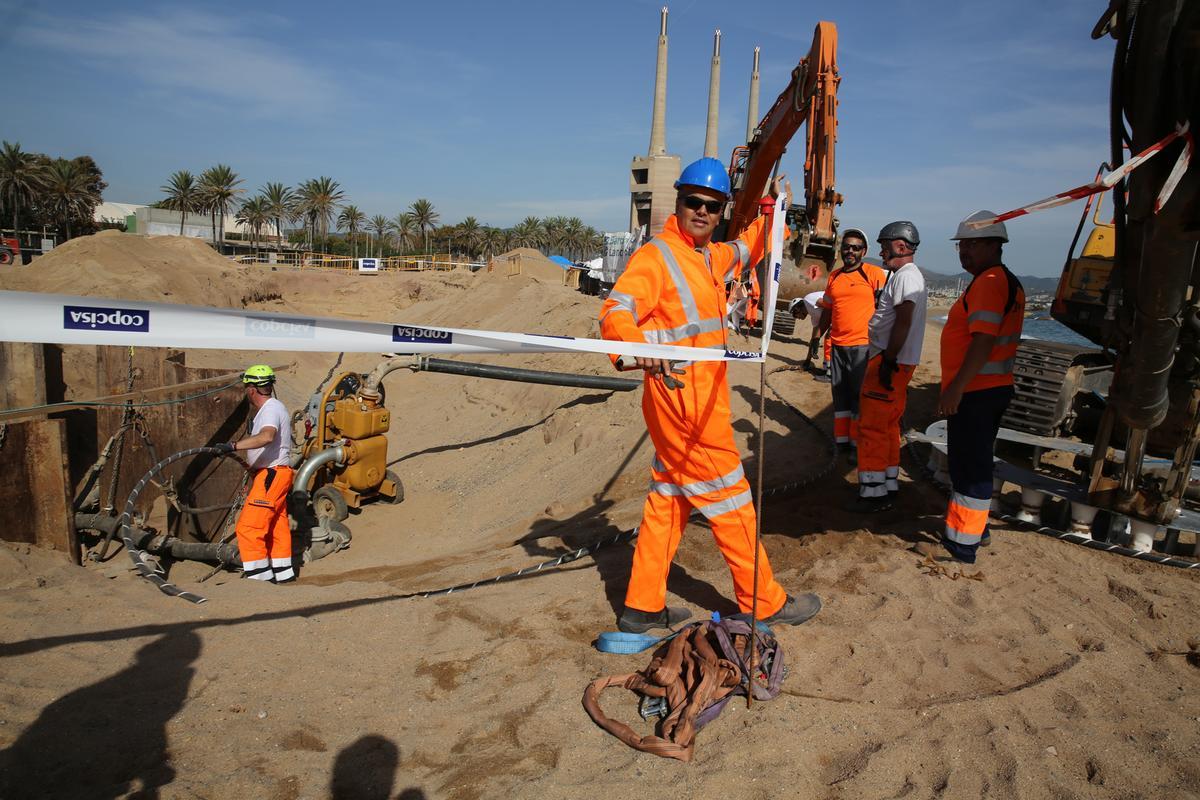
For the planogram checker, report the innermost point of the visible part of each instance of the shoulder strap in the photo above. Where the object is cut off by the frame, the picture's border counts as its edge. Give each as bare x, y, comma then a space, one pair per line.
1013, 284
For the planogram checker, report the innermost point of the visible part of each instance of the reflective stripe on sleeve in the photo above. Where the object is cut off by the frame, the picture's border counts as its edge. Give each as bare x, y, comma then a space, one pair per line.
998, 367
984, 316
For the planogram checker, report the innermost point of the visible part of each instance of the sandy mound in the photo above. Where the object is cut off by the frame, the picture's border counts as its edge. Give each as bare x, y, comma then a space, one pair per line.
174, 269
527, 262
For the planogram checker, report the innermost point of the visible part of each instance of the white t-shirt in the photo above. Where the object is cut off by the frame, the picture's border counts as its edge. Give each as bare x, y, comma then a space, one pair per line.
810, 301
903, 285
273, 414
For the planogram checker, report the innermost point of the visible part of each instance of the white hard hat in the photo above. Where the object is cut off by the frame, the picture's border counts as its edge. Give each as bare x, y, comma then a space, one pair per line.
994, 231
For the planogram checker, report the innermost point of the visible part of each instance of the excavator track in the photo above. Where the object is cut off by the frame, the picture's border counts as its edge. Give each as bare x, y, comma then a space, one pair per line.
1047, 377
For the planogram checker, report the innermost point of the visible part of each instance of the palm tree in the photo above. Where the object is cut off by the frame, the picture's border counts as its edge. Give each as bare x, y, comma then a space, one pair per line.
405, 228
254, 213
280, 201
528, 233
491, 240
469, 232
219, 189
22, 178
66, 192
319, 198
425, 218
379, 225
351, 220
183, 195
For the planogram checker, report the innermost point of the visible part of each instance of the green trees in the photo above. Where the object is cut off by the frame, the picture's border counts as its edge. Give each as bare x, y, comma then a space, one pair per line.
218, 193
425, 218
351, 220
22, 180
59, 193
254, 214
182, 195
317, 200
321, 202
65, 193
280, 202
380, 226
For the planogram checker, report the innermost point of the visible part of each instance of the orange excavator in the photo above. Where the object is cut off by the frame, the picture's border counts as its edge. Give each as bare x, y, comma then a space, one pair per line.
809, 99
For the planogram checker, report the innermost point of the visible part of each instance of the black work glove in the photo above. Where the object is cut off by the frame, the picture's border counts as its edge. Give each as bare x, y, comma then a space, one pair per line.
887, 368
223, 447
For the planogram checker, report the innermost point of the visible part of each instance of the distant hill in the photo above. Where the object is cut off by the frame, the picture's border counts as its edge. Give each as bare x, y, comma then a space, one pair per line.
1032, 284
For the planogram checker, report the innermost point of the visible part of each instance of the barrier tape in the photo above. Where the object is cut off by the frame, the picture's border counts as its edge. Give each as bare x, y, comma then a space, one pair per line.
67, 319
1112, 179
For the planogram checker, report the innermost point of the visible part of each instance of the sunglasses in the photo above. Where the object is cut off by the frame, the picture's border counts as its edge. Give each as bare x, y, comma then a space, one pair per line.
855, 248
695, 202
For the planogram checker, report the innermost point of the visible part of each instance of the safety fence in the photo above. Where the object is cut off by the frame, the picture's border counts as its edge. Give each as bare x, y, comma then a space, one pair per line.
323, 261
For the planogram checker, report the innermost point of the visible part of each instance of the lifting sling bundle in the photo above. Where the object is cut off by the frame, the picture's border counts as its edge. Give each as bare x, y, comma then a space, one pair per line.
691, 678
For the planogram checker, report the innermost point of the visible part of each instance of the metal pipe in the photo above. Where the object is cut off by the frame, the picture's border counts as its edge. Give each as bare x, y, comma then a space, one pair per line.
1135, 451
473, 370
309, 467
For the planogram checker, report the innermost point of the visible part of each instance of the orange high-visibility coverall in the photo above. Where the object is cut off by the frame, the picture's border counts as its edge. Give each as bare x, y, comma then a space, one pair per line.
674, 293
263, 533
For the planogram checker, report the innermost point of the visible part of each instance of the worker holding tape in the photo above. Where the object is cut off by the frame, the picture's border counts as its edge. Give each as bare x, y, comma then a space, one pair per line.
263, 533
673, 292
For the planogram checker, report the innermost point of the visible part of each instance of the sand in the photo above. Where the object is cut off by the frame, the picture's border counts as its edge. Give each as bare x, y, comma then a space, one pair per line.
1063, 673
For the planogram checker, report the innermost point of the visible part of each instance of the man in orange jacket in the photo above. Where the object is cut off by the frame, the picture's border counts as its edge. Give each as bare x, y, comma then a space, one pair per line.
673, 292
979, 349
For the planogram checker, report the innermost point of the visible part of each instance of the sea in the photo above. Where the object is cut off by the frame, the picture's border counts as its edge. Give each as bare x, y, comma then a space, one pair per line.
1047, 329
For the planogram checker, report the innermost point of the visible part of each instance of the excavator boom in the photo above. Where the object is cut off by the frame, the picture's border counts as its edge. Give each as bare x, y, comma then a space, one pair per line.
810, 98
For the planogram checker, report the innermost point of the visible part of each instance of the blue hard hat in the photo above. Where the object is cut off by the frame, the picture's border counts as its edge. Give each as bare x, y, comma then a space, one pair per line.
707, 172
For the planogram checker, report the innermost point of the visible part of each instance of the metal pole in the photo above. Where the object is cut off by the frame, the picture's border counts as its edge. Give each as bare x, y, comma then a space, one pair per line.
758, 488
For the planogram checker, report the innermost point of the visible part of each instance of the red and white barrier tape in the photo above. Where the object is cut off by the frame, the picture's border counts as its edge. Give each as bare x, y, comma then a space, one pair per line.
1112, 179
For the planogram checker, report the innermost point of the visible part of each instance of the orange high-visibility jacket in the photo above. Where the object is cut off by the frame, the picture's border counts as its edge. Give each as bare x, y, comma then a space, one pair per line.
672, 293
981, 309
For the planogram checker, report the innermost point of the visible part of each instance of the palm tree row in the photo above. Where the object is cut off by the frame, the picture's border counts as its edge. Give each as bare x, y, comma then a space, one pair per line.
319, 202
37, 190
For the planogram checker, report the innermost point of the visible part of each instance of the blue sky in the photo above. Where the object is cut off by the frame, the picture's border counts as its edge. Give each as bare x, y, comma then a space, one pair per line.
503, 110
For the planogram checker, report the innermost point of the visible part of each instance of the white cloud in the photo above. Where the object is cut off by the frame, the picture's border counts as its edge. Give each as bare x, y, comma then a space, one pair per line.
202, 56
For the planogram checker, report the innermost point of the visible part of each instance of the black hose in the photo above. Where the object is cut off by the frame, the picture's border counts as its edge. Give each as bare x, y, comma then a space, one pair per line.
225, 553
144, 568
526, 375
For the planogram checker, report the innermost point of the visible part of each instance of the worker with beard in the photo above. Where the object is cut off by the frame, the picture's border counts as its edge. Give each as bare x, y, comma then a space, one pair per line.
673, 292
896, 332
848, 303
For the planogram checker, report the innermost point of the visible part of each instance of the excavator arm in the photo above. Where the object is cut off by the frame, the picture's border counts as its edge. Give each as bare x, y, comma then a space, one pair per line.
810, 98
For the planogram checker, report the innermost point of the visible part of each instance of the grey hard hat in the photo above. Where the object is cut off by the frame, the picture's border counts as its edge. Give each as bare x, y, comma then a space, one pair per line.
900, 230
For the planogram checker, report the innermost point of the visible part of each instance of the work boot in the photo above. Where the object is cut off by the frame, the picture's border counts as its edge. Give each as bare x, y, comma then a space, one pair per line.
634, 621
872, 505
797, 609
986, 540
821, 377
963, 553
